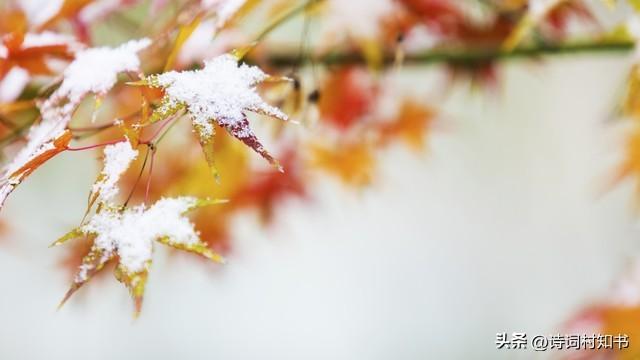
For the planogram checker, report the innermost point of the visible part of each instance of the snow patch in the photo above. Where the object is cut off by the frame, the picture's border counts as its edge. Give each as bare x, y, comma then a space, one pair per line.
222, 91
117, 158
130, 234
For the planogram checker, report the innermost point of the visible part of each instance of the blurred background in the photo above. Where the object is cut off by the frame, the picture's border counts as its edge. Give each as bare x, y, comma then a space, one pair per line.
504, 223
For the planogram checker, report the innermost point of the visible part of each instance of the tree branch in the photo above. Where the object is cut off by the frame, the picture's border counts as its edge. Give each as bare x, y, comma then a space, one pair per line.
457, 56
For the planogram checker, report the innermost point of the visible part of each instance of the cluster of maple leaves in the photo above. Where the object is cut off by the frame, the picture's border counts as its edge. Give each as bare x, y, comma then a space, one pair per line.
163, 83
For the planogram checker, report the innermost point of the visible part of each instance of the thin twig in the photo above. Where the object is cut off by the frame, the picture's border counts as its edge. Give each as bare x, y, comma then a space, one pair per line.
153, 156
17, 132
286, 17
161, 127
95, 146
135, 185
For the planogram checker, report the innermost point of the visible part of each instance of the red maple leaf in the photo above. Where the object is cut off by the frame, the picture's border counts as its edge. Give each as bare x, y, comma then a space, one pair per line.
267, 189
347, 96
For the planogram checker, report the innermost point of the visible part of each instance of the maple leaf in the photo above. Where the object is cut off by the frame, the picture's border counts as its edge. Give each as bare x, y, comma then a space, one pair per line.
213, 223
410, 124
559, 16
5, 229
352, 162
347, 96
267, 189
623, 320
95, 70
219, 94
127, 237
432, 23
75, 252
41, 148
441, 16
13, 19
631, 101
184, 172
616, 314
630, 165
50, 137
31, 51
63, 9
25, 55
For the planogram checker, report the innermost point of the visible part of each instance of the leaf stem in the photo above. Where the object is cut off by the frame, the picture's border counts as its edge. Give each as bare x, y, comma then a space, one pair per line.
286, 17
95, 146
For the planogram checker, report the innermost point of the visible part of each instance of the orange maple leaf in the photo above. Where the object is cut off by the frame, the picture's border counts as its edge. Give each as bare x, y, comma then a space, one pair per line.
609, 320
13, 20
410, 125
352, 162
16, 177
630, 165
630, 105
68, 10
31, 58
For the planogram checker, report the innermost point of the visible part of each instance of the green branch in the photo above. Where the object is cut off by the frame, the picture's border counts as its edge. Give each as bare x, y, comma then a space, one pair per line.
459, 57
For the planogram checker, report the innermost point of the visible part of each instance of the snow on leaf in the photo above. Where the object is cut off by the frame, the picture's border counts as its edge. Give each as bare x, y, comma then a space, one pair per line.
94, 70
183, 171
135, 282
221, 93
207, 145
129, 234
92, 263
36, 153
50, 39
117, 158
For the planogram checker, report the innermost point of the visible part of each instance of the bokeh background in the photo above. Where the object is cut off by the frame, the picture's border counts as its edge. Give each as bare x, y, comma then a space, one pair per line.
505, 224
